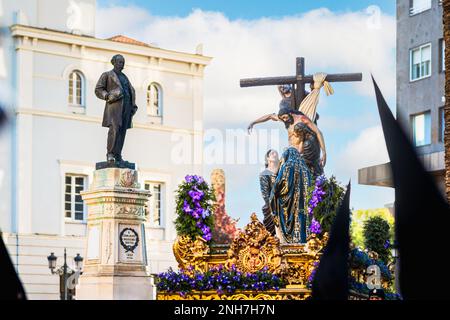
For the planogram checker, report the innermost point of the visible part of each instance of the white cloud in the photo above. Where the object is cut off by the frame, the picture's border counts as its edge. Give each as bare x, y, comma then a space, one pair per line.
367, 149
330, 42
333, 42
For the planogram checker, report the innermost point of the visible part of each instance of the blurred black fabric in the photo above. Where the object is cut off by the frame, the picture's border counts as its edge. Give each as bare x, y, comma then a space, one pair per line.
2, 117
422, 216
10, 286
331, 279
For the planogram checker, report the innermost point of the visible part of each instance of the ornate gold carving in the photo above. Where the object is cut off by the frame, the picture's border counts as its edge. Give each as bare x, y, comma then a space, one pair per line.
314, 244
191, 253
255, 248
251, 251
285, 294
373, 255
181, 251
297, 274
198, 251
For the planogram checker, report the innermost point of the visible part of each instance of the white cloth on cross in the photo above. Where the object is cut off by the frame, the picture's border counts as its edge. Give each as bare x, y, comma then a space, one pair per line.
309, 104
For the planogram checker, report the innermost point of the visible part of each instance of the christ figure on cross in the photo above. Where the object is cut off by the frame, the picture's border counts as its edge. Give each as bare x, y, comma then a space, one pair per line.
303, 135
301, 125
298, 106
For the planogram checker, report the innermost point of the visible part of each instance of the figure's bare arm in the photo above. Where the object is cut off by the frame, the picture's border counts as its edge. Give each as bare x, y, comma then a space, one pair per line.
319, 135
265, 118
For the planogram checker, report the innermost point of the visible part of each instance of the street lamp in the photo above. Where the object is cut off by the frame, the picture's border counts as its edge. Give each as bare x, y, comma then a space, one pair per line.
52, 262
78, 262
64, 271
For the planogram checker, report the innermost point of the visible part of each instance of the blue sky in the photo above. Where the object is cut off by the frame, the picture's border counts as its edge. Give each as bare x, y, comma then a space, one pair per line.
262, 38
250, 9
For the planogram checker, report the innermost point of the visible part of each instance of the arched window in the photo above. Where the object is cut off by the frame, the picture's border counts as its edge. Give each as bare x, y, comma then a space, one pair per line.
154, 100
76, 89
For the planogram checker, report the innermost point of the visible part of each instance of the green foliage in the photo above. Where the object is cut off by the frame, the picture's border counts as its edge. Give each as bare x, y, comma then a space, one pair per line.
190, 224
357, 224
326, 209
377, 237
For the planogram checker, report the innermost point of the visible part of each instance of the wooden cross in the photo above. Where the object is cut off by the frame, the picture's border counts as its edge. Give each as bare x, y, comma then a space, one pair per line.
299, 80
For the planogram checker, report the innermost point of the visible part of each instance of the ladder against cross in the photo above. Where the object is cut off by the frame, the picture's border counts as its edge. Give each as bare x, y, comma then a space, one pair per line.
299, 80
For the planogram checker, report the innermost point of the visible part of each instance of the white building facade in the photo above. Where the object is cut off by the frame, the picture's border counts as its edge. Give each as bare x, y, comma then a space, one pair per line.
50, 62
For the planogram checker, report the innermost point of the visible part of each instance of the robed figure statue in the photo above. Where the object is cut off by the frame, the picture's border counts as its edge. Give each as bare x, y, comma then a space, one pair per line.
114, 87
266, 182
287, 199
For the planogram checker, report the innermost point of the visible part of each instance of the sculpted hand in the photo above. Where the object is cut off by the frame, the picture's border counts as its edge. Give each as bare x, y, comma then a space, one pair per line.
250, 128
110, 97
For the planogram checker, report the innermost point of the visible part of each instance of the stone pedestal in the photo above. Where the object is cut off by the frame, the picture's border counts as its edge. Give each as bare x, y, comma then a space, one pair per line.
115, 258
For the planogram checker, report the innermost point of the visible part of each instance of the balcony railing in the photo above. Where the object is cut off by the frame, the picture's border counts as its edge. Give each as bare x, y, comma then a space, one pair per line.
416, 10
420, 6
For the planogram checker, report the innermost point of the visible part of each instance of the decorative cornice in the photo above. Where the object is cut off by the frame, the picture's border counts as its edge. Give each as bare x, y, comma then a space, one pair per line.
85, 41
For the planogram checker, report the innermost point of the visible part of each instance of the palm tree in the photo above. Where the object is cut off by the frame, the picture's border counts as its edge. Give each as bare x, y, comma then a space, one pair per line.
446, 21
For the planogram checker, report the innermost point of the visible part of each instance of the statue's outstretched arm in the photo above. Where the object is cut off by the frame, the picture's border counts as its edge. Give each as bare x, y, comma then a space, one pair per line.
265, 118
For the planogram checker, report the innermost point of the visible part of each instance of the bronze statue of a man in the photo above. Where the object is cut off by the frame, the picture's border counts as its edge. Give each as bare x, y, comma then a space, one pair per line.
115, 88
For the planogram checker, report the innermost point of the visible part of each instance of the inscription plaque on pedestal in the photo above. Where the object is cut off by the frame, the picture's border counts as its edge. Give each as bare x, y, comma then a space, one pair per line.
129, 244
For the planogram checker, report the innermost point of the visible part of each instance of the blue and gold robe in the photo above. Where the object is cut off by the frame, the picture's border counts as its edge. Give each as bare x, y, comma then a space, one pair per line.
287, 199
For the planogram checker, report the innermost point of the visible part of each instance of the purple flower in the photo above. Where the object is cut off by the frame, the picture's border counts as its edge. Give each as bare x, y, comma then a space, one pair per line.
199, 210
196, 206
196, 195
195, 215
320, 180
205, 229
315, 227
205, 214
186, 208
207, 237
387, 244
194, 179
199, 179
313, 273
317, 195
